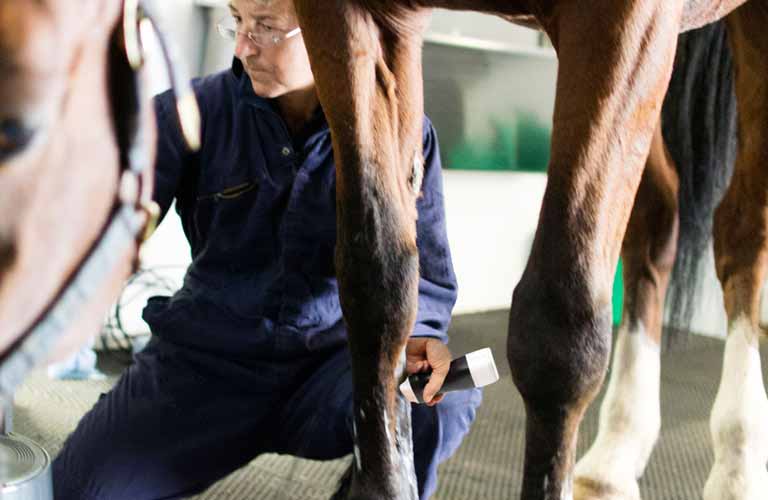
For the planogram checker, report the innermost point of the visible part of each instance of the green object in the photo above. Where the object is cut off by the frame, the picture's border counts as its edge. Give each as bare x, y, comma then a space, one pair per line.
534, 141
618, 294
498, 152
521, 143
505, 145
471, 156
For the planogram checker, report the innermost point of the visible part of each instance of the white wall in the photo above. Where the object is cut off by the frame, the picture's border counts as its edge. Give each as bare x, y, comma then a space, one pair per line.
491, 218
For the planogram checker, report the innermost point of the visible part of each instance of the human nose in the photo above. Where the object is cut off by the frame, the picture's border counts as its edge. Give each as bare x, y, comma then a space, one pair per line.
244, 47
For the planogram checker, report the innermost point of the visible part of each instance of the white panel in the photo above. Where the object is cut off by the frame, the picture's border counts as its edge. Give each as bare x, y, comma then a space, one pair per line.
492, 219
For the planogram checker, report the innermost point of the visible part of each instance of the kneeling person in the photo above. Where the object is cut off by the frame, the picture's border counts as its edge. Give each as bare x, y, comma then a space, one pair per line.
250, 356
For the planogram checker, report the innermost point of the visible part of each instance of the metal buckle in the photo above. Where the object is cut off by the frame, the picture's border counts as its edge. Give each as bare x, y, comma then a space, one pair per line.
131, 194
131, 33
135, 21
152, 211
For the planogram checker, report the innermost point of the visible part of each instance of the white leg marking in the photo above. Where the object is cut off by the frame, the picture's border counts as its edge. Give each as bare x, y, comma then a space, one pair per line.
567, 492
739, 420
630, 416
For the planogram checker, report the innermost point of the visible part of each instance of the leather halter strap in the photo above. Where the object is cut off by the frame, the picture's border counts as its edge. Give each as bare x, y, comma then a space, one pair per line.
132, 219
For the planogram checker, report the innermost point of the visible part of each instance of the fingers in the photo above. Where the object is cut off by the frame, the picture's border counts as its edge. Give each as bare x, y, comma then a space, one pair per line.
416, 356
436, 400
439, 358
414, 366
433, 387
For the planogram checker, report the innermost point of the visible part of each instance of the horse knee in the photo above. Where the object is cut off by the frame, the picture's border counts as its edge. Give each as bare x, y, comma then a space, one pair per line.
559, 343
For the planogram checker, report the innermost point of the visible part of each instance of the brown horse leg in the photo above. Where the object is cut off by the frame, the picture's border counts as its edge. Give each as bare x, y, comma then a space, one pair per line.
615, 63
367, 67
740, 413
630, 416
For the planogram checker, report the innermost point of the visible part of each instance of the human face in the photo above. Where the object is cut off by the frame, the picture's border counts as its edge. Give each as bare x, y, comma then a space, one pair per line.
278, 69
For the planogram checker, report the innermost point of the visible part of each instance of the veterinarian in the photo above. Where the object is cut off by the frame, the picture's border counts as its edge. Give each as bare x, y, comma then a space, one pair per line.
250, 355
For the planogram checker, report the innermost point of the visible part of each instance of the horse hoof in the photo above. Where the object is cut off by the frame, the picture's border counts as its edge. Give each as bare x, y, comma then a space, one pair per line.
585, 488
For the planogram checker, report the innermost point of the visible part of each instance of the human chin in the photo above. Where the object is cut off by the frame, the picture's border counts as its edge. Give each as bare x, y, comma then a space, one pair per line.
266, 89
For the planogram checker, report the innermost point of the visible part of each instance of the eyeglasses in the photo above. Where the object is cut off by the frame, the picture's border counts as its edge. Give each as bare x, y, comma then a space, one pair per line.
263, 36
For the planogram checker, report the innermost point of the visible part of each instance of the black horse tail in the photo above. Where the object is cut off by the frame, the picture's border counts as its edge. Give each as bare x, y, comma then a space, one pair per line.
699, 127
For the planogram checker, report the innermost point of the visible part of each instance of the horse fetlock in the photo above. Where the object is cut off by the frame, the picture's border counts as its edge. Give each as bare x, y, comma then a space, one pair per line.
396, 483
630, 415
616, 460
586, 488
741, 454
638, 439
740, 435
624, 443
738, 421
383, 466
728, 483
393, 487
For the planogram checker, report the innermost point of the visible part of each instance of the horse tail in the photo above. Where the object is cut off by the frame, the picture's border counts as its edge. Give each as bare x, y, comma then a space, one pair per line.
699, 126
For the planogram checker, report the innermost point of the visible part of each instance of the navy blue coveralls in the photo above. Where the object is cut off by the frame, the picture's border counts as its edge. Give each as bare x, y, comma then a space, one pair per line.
250, 355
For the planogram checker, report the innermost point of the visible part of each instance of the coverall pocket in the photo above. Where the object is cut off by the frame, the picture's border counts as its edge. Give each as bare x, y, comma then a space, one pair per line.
221, 228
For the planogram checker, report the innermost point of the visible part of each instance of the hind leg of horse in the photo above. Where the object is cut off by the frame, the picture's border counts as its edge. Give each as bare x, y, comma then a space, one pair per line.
368, 76
630, 416
615, 65
739, 419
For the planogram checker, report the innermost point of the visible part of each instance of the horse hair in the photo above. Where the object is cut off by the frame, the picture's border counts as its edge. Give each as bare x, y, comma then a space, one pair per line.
700, 128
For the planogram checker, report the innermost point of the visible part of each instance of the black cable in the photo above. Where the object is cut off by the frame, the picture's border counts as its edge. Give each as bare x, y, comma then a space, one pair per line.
114, 336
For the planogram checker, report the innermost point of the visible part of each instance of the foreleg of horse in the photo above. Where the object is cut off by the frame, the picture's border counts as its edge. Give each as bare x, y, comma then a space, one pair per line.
615, 63
739, 420
630, 416
367, 69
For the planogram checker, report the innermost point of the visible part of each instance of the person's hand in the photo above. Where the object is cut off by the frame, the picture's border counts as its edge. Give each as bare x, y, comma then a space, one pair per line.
423, 353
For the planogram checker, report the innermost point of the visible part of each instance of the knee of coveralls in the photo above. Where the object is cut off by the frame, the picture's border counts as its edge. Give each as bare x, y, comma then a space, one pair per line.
105, 456
175, 422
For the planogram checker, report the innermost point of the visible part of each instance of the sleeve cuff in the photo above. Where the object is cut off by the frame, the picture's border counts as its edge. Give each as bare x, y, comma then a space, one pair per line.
421, 330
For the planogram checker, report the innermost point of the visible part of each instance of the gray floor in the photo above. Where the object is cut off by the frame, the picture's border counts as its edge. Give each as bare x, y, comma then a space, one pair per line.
488, 465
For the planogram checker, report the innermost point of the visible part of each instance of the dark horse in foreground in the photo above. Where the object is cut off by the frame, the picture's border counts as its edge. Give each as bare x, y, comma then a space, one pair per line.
67, 137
